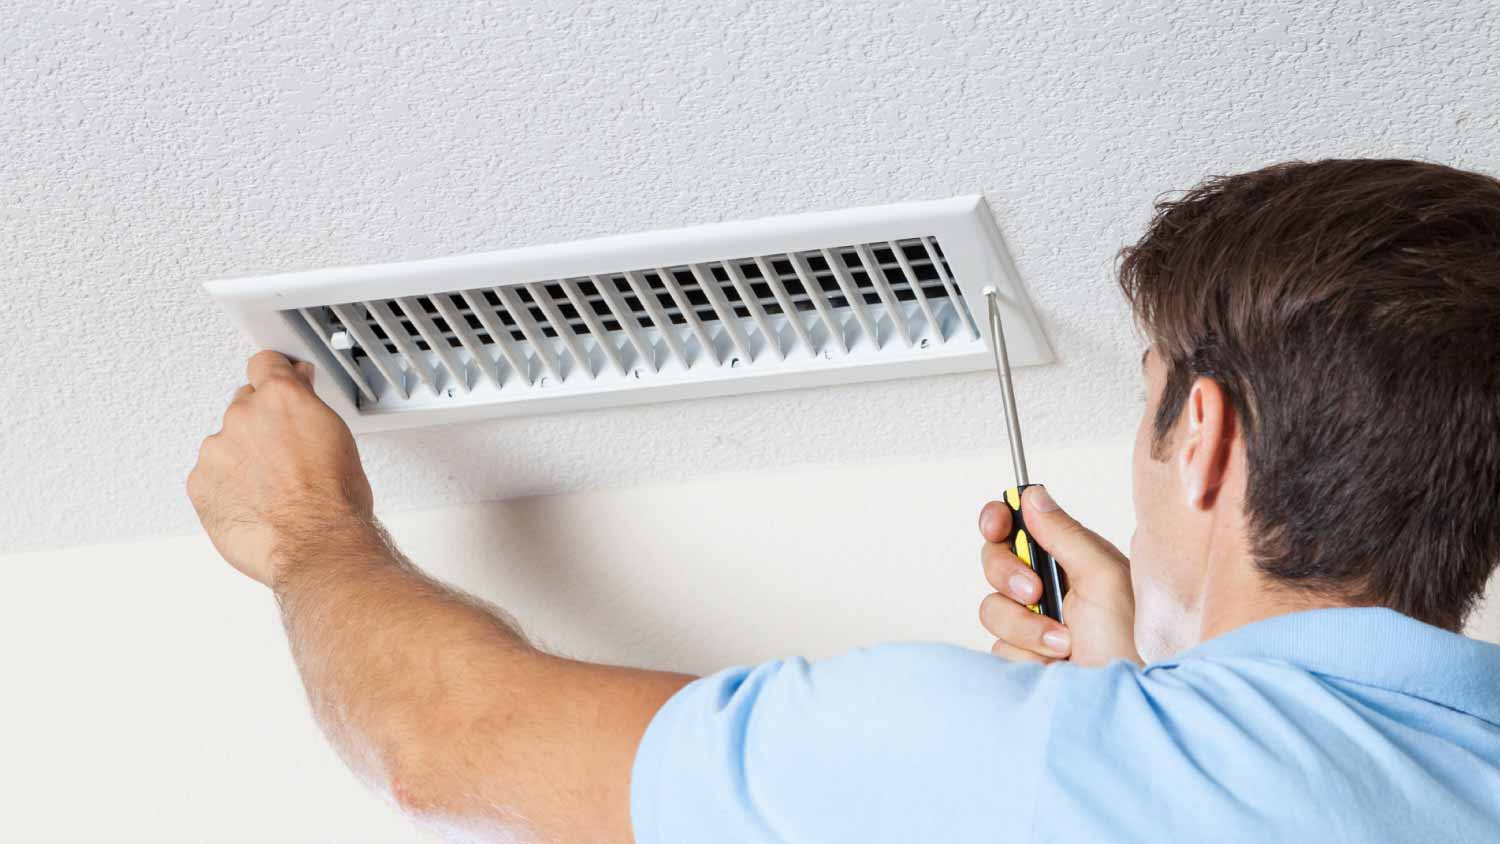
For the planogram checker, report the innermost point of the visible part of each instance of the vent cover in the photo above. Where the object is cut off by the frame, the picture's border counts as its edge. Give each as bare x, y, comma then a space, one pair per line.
737, 307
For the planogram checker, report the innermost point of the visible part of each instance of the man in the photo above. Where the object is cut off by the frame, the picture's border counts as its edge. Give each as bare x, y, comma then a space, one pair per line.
1317, 494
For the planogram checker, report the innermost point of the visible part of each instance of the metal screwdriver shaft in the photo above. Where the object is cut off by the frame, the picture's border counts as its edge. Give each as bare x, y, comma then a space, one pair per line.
1021, 540
1007, 389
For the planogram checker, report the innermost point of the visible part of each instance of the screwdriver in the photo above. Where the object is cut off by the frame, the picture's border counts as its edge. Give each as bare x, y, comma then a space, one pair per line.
1021, 541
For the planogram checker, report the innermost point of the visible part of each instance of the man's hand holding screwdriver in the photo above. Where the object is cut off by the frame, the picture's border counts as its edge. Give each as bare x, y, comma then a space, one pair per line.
1099, 606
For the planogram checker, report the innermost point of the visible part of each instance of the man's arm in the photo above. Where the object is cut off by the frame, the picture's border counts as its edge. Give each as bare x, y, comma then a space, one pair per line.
427, 693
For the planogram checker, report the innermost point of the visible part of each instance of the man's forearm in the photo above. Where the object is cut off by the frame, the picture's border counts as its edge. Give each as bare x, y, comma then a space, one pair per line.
439, 700
382, 648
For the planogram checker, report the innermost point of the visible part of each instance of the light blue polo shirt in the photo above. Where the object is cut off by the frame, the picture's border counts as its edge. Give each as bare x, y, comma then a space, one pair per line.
1339, 725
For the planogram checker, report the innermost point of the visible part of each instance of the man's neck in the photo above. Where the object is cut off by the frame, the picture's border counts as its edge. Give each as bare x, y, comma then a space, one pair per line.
1235, 592
1245, 596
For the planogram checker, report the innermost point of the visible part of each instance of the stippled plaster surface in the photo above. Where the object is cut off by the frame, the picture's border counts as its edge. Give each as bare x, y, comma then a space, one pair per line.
147, 146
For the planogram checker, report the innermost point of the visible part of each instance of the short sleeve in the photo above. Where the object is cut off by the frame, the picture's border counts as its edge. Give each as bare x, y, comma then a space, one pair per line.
896, 743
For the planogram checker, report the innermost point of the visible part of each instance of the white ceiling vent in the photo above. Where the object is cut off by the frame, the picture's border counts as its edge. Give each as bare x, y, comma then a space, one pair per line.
794, 301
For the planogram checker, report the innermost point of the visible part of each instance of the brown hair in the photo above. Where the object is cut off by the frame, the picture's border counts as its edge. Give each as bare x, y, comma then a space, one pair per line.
1351, 311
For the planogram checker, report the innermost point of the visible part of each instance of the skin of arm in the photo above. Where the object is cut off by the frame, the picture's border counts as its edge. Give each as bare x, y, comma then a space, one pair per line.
429, 694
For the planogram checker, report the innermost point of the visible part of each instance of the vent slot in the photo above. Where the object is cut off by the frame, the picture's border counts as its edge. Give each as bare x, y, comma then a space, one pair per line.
735, 310
791, 301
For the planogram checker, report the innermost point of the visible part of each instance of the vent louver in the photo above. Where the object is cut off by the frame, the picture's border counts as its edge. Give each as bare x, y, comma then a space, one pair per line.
786, 301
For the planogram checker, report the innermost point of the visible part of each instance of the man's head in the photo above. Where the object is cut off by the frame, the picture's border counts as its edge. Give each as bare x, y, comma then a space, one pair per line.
1324, 391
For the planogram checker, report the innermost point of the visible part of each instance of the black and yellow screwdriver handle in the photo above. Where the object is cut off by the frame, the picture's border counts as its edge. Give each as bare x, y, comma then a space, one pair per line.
1035, 556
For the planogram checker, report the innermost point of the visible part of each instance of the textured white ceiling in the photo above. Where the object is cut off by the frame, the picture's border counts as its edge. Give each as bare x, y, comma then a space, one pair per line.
147, 146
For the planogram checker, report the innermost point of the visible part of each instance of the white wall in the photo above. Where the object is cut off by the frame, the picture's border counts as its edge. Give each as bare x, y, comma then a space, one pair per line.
149, 695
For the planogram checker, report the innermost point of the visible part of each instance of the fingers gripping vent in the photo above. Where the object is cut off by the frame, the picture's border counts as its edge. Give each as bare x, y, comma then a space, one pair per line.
654, 317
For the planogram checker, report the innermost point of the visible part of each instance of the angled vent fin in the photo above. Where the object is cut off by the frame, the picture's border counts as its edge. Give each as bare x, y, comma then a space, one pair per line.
737, 307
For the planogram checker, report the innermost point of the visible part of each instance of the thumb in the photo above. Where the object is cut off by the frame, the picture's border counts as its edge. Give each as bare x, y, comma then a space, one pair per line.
304, 371
1080, 551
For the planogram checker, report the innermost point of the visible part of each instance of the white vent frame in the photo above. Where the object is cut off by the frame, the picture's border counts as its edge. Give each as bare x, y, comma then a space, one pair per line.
972, 249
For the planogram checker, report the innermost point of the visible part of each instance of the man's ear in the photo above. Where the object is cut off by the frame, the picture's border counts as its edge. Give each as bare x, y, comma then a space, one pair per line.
1208, 426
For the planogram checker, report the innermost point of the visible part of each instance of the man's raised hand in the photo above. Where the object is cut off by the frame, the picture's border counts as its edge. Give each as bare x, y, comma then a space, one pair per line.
1099, 607
282, 471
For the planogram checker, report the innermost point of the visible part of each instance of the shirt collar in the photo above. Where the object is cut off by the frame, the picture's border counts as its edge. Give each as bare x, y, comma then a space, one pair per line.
1374, 646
